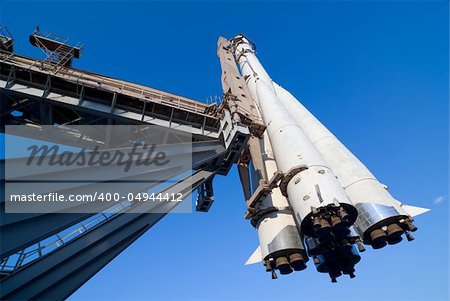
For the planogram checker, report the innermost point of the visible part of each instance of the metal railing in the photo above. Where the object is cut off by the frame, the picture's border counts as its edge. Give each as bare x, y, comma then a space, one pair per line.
89, 79
52, 243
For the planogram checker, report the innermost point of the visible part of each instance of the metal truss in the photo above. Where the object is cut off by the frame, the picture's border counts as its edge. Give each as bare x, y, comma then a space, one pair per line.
50, 255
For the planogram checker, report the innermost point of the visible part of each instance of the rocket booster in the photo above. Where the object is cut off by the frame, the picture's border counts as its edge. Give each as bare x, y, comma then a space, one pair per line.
319, 203
280, 243
281, 247
315, 183
312, 183
381, 219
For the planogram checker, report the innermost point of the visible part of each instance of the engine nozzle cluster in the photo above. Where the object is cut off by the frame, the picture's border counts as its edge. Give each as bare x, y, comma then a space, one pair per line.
382, 235
286, 263
332, 245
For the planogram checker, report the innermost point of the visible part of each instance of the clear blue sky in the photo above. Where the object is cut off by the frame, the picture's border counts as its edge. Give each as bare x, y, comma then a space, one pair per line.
376, 73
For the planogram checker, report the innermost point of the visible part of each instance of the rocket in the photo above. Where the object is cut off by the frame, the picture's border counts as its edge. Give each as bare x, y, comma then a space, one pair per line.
319, 204
328, 199
281, 247
381, 219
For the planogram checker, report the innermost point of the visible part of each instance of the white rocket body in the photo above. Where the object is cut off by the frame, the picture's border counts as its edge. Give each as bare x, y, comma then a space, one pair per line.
279, 237
276, 222
359, 183
374, 203
335, 199
277, 231
315, 186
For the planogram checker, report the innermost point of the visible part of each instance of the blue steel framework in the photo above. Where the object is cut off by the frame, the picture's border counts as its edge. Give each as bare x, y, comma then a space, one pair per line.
49, 256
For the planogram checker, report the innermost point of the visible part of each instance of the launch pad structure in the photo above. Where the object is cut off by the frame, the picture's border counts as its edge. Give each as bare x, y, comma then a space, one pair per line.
300, 210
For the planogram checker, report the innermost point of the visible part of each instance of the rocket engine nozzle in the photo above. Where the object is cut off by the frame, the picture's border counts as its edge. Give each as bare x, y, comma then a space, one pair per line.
330, 221
381, 235
286, 262
338, 254
380, 225
338, 264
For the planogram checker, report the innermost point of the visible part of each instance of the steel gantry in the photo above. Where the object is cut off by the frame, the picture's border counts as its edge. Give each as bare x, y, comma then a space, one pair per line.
50, 255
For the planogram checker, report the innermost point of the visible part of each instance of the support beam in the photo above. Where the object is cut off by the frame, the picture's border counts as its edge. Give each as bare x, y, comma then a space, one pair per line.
21, 230
57, 275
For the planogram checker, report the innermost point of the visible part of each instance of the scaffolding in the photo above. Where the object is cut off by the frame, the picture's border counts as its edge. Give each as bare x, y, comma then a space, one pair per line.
58, 52
6, 39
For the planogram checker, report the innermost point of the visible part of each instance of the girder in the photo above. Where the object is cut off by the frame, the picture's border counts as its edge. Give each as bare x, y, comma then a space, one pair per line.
33, 93
48, 108
60, 273
100, 95
20, 230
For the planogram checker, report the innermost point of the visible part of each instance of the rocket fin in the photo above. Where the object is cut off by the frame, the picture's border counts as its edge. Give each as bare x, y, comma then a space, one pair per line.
413, 210
256, 257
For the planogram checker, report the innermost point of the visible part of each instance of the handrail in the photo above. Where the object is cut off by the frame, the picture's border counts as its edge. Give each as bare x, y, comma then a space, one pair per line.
89, 79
